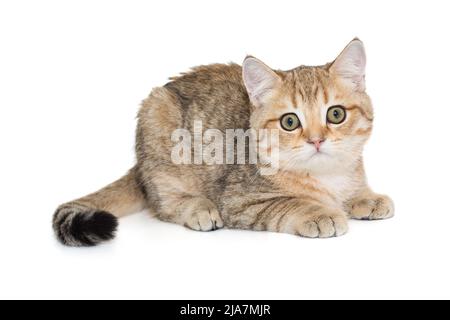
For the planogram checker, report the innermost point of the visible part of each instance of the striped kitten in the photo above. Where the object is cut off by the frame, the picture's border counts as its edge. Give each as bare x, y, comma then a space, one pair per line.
323, 117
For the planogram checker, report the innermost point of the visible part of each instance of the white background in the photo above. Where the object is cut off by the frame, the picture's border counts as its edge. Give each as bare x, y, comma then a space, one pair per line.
72, 75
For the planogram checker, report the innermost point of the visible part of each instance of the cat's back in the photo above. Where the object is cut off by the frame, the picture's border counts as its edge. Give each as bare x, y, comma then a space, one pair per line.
213, 93
207, 82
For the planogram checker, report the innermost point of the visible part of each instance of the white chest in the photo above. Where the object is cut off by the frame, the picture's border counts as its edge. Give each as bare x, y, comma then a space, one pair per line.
342, 187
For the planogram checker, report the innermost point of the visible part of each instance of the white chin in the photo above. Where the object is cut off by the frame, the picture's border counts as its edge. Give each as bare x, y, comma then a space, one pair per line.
317, 162
320, 162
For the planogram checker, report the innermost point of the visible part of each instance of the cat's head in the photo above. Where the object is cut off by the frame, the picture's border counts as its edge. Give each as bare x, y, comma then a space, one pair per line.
323, 114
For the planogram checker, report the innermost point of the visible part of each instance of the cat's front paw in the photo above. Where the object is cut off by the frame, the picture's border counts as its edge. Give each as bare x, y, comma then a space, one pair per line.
374, 207
321, 225
201, 215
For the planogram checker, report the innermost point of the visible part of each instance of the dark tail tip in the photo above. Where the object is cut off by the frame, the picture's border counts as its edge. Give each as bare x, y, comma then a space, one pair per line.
75, 226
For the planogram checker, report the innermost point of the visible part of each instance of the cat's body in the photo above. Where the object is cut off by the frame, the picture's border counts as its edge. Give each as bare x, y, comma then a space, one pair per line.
320, 181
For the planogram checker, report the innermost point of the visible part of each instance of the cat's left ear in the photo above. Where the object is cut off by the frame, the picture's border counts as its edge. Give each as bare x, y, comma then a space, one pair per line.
260, 80
350, 65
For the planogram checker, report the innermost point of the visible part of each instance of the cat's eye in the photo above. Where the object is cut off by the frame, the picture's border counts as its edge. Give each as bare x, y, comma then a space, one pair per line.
336, 114
290, 122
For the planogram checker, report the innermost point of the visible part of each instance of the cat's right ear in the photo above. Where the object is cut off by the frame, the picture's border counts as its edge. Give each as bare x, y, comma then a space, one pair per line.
259, 80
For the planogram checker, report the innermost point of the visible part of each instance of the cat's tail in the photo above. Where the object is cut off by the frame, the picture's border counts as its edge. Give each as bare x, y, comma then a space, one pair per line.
94, 218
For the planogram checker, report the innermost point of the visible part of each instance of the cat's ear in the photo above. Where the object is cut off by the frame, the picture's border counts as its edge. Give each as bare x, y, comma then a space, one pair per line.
259, 79
350, 65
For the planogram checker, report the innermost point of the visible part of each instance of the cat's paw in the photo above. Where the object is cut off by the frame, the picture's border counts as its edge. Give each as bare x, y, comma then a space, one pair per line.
321, 225
375, 207
203, 216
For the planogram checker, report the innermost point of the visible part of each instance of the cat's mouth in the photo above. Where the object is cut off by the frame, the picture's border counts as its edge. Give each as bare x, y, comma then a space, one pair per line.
317, 154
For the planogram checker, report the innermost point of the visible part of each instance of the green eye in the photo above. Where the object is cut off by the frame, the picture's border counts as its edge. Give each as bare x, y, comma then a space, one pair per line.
290, 122
336, 115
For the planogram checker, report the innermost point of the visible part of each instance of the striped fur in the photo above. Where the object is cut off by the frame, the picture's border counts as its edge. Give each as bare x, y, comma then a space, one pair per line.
312, 195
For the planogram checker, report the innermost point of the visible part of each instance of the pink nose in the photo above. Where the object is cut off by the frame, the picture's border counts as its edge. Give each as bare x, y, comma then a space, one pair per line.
316, 142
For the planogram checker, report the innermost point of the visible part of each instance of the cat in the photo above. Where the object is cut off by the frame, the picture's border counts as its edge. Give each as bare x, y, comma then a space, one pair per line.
323, 117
